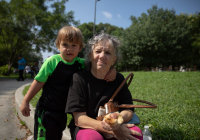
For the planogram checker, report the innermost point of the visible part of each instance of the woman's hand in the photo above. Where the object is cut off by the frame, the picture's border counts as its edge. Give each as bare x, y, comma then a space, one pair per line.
107, 127
111, 75
124, 133
112, 121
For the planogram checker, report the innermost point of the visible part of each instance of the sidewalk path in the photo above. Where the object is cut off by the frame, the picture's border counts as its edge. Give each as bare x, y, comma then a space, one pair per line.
10, 101
10, 125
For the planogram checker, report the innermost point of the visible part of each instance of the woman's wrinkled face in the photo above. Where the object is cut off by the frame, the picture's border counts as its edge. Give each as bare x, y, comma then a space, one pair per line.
102, 56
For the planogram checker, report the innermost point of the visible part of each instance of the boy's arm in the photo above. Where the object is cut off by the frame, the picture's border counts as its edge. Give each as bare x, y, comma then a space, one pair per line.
111, 75
35, 87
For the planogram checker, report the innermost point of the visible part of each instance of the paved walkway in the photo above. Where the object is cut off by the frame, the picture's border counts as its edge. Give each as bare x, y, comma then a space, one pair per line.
10, 125
10, 101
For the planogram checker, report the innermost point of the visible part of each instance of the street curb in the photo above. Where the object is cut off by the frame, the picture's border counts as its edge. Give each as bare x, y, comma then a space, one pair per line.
30, 120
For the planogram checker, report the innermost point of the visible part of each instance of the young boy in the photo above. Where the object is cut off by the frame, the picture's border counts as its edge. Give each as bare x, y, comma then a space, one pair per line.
54, 77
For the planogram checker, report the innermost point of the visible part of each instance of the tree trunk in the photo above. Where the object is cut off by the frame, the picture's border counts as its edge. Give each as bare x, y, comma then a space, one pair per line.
9, 69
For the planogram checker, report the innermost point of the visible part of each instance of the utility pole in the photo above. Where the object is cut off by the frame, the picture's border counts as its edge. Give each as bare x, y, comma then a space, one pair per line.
94, 17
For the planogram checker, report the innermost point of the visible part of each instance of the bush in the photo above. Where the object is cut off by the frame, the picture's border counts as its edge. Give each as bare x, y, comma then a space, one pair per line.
4, 70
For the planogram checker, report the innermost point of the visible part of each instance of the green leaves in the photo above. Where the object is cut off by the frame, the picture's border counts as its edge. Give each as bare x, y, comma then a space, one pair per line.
29, 23
153, 35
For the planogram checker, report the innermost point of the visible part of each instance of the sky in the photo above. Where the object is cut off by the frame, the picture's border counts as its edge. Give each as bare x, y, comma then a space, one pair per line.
118, 12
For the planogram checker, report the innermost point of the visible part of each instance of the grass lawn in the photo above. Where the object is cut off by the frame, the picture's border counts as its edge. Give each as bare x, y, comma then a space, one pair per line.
15, 76
177, 95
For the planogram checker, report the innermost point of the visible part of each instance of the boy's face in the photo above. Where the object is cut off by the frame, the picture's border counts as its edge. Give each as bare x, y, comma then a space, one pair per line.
68, 50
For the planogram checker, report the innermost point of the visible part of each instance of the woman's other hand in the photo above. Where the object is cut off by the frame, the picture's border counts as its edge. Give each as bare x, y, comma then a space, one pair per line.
112, 121
107, 127
124, 133
111, 75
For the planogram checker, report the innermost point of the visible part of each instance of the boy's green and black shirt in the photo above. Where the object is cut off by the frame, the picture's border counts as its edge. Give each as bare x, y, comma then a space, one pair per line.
57, 74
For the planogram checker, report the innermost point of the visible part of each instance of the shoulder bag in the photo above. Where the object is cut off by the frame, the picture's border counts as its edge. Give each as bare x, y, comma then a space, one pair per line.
112, 106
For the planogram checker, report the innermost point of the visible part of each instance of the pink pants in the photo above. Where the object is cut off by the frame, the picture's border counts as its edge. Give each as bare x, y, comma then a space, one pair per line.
90, 134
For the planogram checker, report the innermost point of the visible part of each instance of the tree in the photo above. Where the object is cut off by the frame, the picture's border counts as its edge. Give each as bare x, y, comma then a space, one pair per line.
87, 31
157, 38
195, 34
30, 56
109, 29
28, 24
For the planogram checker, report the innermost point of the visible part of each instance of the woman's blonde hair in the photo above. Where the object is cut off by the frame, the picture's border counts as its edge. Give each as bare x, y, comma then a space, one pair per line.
71, 34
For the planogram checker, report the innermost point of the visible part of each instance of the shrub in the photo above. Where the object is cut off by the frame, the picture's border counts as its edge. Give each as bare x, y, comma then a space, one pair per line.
4, 70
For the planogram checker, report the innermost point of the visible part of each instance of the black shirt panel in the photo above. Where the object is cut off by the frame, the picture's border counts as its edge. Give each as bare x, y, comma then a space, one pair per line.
55, 90
87, 93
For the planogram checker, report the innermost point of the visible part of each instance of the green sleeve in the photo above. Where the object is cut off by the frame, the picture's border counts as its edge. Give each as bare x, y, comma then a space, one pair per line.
46, 70
82, 61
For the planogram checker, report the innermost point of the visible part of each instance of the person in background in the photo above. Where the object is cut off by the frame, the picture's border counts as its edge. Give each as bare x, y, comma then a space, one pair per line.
28, 70
54, 77
35, 68
21, 65
89, 91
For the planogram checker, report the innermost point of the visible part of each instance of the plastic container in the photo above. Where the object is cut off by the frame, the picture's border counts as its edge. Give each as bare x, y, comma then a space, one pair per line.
146, 133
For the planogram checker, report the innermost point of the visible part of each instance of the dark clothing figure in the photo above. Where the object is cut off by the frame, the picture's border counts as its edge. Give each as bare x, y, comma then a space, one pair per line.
28, 70
53, 122
54, 78
87, 93
57, 74
35, 69
21, 77
21, 67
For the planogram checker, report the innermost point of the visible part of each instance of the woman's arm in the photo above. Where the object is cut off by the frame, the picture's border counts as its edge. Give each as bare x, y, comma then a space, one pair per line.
126, 115
83, 121
122, 131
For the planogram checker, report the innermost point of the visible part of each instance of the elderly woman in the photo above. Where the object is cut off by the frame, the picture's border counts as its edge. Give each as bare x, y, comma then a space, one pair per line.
89, 90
